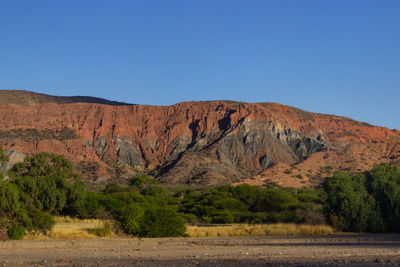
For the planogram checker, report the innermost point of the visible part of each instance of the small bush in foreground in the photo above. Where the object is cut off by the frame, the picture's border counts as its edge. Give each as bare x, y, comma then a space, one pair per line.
42, 221
16, 232
162, 222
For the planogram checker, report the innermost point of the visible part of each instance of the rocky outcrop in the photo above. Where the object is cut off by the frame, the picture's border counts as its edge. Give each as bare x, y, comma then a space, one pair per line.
14, 157
205, 143
249, 147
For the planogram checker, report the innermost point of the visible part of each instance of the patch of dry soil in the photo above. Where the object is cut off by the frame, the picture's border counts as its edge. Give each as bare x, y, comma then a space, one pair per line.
336, 250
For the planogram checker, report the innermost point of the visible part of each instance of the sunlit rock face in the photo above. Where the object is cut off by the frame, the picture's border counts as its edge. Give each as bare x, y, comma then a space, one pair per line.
197, 143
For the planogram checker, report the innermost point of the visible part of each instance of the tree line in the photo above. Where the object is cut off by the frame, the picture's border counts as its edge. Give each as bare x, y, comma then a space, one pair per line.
46, 185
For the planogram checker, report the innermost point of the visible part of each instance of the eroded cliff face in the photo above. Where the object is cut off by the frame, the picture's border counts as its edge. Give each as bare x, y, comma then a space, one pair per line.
204, 143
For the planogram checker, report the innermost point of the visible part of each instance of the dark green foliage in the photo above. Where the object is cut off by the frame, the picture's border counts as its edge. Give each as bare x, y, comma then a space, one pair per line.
115, 188
365, 202
350, 201
129, 216
162, 222
247, 194
142, 181
48, 182
384, 186
222, 217
250, 204
276, 200
41, 220
42, 184
16, 232
132, 211
9, 198
75, 195
154, 190
89, 206
34, 219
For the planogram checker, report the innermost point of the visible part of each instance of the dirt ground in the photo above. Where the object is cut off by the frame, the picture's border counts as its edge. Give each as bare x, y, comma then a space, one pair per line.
335, 250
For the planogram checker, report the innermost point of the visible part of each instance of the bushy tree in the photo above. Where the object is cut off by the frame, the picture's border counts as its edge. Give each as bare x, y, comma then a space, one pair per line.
162, 222
350, 202
384, 185
129, 217
47, 182
16, 231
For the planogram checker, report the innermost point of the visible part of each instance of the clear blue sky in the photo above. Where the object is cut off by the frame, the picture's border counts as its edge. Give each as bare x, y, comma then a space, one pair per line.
339, 57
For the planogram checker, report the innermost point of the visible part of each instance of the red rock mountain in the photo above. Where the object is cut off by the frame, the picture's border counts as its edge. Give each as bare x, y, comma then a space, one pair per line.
198, 143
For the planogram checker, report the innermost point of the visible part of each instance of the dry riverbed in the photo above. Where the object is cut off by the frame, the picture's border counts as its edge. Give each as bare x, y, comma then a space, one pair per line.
335, 250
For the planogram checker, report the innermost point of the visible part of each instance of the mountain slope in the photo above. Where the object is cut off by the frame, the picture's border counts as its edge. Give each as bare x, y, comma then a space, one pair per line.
28, 98
200, 143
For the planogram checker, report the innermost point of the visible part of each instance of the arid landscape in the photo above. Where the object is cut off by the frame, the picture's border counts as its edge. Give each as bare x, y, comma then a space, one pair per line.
199, 133
232, 184
69, 243
193, 143
334, 250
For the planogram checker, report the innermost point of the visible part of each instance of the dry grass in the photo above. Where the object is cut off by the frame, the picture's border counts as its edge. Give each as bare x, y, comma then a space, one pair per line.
73, 228
259, 230
70, 228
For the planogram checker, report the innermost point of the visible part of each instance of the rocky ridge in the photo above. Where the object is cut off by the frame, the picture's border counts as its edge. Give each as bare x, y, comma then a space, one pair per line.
198, 143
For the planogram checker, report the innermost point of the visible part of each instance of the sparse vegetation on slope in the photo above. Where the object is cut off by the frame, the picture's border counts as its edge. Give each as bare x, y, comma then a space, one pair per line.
35, 135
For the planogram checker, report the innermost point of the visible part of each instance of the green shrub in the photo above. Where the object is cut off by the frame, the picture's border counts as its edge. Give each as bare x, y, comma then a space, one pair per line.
24, 218
41, 220
365, 202
115, 188
142, 181
9, 198
153, 190
162, 222
275, 200
130, 217
44, 182
281, 216
248, 204
16, 232
350, 201
223, 218
89, 206
383, 183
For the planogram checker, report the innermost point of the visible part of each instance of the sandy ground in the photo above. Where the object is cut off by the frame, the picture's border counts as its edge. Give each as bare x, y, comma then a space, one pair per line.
336, 250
